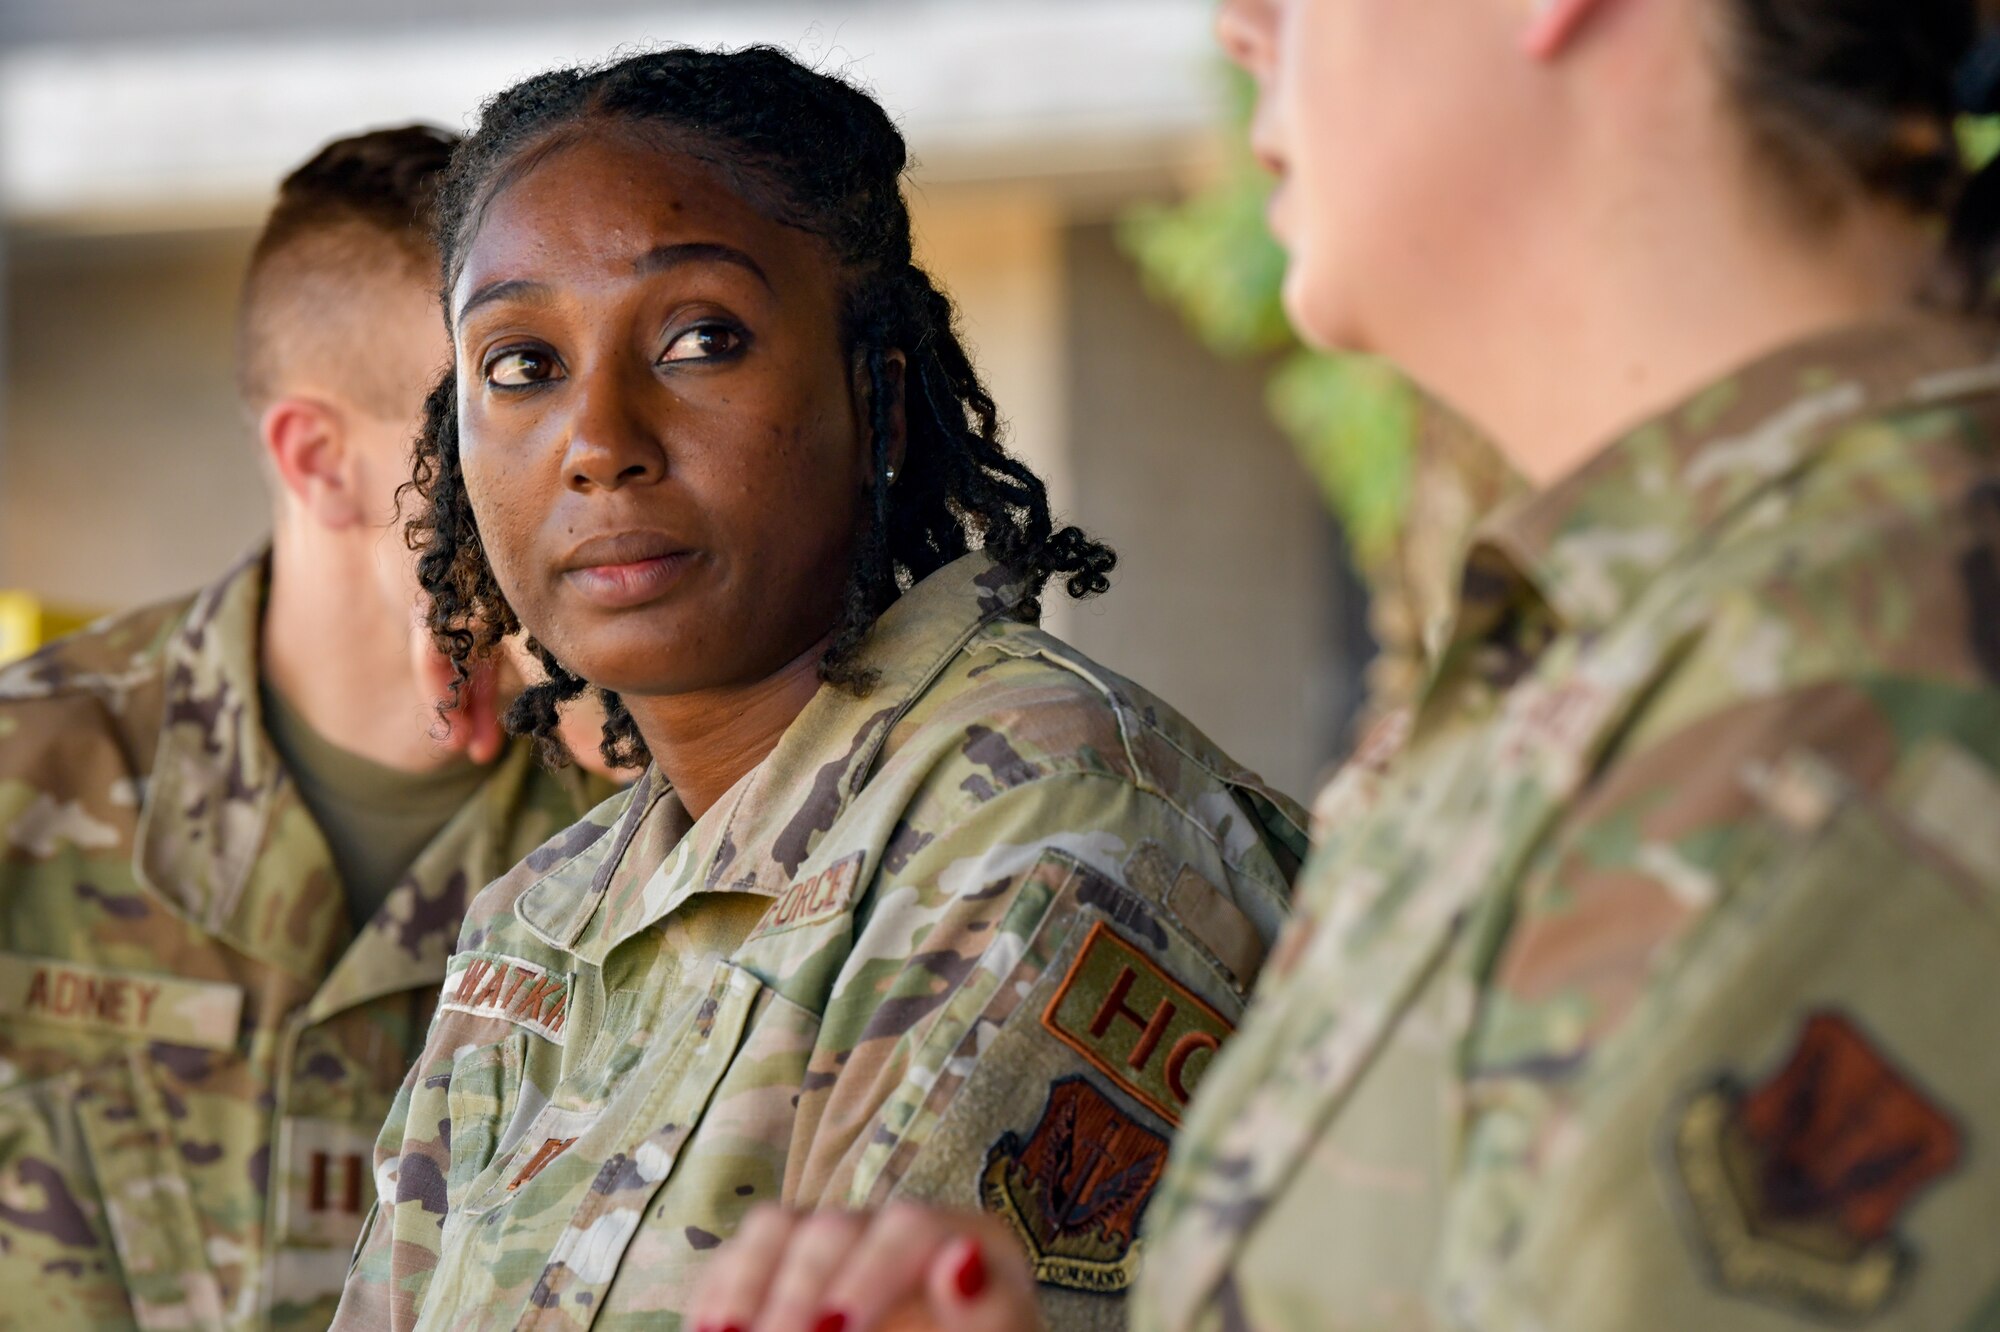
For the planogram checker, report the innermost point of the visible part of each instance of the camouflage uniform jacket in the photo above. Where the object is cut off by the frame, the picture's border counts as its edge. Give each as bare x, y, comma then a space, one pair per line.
1653, 985
197, 1047
971, 937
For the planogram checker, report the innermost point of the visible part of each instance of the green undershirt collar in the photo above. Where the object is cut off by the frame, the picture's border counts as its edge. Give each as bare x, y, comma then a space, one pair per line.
377, 820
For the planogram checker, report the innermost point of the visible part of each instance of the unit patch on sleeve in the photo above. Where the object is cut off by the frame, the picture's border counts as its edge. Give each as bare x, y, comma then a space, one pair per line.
1795, 1185
489, 985
1074, 1189
1139, 1026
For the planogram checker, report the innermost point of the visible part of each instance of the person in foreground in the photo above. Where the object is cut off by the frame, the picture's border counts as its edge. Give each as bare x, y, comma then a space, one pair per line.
913, 900
1650, 985
233, 856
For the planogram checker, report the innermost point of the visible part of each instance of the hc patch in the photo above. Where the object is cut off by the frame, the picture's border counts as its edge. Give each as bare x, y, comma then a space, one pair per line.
1136, 1024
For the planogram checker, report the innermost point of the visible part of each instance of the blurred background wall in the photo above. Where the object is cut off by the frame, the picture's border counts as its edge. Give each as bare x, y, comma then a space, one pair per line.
139, 143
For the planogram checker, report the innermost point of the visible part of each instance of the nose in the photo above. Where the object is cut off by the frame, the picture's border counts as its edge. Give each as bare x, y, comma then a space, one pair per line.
613, 442
1247, 32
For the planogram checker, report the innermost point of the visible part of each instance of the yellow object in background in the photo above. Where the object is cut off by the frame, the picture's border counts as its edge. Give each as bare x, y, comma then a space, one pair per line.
26, 623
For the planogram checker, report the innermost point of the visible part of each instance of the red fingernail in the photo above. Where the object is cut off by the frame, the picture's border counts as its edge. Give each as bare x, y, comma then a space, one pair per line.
831, 1322
970, 1278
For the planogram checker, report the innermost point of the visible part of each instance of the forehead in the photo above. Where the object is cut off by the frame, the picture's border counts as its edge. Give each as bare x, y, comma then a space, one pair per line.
586, 208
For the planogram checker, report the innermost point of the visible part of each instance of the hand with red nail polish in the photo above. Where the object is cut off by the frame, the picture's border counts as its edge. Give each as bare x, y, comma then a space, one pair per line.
904, 1269
968, 1273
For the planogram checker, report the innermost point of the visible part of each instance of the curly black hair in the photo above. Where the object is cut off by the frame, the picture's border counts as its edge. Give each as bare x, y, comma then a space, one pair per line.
812, 152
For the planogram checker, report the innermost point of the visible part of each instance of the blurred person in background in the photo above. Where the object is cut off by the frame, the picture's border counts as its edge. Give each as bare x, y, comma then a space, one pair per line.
233, 855
1651, 985
914, 900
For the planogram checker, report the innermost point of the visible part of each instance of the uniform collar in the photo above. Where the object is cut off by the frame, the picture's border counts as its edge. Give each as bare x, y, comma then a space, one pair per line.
755, 839
409, 941
1574, 556
216, 783
224, 837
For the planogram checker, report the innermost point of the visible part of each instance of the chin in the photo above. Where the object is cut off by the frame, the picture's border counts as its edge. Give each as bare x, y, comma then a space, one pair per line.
1323, 320
642, 674
625, 659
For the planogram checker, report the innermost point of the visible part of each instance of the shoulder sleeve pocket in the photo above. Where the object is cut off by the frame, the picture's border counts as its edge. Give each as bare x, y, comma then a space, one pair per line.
1796, 1127
1048, 1091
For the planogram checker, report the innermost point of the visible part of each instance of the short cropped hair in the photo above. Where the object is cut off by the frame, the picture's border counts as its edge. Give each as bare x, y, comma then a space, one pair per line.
359, 212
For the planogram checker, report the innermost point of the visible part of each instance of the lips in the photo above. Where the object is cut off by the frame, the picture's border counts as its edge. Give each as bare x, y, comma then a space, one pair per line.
627, 569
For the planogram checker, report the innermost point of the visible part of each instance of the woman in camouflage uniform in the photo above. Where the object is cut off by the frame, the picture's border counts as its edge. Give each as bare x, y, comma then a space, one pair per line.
913, 899
1650, 985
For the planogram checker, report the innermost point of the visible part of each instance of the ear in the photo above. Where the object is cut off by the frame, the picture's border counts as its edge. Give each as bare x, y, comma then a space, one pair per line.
308, 446
1553, 25
894, 367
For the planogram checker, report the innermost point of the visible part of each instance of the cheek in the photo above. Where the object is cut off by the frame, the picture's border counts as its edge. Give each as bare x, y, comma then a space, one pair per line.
495, 491
785, 491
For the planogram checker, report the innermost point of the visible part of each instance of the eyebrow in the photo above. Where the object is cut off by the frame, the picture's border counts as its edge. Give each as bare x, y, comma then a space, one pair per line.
503, 290
659, 259
663, 257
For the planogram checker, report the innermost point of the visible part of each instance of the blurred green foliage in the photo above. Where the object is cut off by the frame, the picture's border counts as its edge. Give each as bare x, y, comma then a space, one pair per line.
1979, 139
1353, 419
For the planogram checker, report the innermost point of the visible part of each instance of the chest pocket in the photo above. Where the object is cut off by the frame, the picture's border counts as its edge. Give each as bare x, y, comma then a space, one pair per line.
121, 1153
485, 1091
545, 1227
95, 1205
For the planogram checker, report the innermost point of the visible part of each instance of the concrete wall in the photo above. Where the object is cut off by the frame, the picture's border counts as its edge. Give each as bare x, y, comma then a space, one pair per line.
1231, 599
128, 473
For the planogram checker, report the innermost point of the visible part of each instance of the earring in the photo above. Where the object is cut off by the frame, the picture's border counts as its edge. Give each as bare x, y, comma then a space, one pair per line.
890, 474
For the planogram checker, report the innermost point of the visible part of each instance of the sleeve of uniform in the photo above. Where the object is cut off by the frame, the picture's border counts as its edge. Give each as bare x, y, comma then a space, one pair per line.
1782, 1115
1037, 983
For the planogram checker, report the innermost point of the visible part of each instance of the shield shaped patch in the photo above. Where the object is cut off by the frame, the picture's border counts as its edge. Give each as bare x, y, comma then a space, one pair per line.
1795, 1185
1074, 1188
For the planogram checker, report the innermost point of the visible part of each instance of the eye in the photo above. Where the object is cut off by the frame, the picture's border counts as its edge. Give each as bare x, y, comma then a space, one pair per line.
703, 342
520, 367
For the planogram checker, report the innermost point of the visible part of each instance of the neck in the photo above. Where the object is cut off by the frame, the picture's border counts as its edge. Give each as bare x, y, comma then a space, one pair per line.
706, 741
1595, 330
339, 654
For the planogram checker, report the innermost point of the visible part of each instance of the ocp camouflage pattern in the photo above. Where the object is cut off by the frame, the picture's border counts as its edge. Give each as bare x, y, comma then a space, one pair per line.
197, 1048
1652, 984
835, 988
